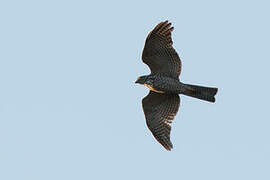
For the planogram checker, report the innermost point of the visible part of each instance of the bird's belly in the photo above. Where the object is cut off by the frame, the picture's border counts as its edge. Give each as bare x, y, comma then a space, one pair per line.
167, 85
153, 89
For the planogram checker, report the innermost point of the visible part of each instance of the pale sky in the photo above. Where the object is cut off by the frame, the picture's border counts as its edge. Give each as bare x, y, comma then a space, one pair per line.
69, 108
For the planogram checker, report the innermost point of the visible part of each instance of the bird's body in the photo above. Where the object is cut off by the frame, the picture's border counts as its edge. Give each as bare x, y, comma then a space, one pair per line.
162, 103
164, 84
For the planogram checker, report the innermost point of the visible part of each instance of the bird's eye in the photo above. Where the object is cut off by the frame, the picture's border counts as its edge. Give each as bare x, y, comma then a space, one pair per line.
138, 78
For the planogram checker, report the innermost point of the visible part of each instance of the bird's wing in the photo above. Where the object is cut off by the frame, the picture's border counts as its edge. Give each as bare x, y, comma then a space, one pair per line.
158, 52
160, 110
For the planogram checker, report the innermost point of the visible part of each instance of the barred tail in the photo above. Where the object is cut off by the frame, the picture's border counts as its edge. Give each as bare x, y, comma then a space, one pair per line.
200, 92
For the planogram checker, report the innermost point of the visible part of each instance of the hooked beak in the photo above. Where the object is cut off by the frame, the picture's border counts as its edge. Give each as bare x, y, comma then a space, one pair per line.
138, 80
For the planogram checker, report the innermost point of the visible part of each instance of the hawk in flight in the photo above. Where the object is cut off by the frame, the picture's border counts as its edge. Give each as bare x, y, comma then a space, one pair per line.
162, 103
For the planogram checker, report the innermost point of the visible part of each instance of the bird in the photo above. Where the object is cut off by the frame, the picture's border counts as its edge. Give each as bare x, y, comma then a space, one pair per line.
161, 104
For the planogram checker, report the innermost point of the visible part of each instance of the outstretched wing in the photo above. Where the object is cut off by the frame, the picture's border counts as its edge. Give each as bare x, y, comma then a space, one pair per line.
158, 52
160, 110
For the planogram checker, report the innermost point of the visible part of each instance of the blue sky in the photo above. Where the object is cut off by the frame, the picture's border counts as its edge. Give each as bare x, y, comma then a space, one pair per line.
69, 108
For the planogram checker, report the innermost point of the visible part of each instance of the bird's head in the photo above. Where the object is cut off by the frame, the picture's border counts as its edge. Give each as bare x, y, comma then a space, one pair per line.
141, 80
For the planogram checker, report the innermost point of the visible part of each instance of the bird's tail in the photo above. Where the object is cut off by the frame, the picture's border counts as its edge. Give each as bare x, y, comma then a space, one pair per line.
200, 92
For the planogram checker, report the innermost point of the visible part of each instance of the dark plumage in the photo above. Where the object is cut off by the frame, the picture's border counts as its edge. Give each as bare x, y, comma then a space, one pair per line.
162, 103
160, 110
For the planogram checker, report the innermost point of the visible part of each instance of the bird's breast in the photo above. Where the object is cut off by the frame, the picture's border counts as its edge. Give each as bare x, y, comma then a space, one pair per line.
153, 89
